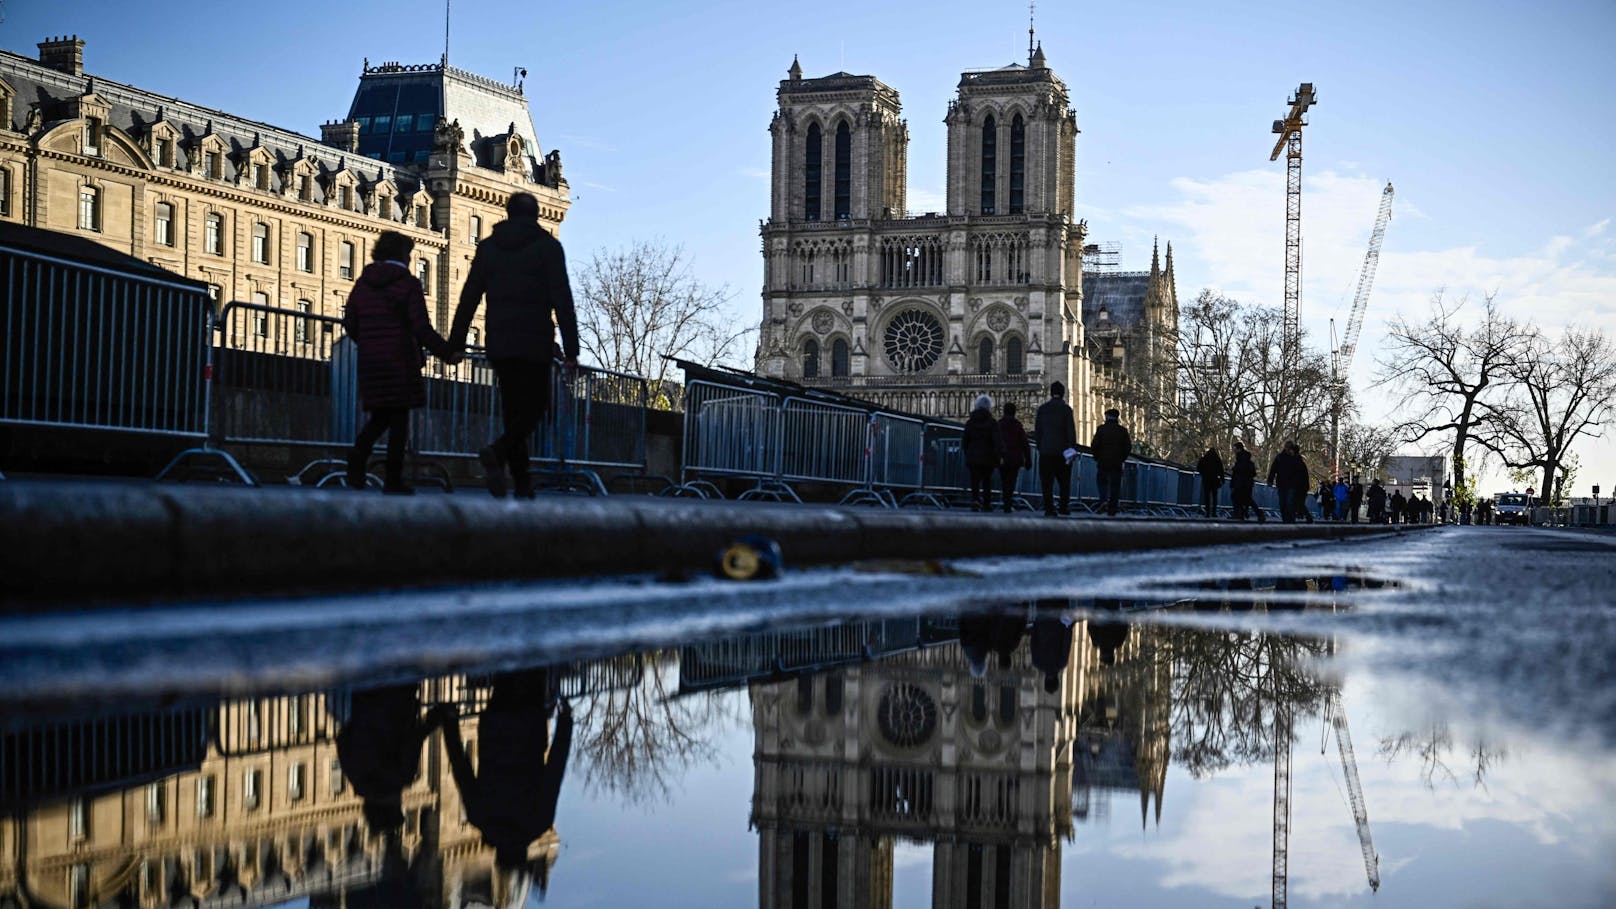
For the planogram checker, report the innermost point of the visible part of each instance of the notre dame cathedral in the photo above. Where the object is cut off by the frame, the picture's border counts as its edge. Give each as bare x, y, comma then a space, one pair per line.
924, 312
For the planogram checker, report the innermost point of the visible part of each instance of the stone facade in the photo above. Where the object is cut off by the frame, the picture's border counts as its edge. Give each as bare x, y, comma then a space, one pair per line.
264, 214
923, 312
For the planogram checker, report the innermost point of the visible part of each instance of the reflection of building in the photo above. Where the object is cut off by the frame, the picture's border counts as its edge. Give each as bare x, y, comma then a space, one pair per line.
263, 214
914, 748
260, 815
1125, 696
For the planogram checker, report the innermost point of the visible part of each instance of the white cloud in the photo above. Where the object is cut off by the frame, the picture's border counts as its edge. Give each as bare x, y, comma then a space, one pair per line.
755, 173
924, 200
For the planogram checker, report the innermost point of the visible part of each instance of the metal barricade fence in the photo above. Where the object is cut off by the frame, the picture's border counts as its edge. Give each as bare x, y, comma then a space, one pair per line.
895, 452
609, 419
95, 348
821, 442
729, 432
277, 381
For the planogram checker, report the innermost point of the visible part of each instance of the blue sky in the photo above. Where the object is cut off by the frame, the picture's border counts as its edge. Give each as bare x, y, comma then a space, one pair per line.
1495, 120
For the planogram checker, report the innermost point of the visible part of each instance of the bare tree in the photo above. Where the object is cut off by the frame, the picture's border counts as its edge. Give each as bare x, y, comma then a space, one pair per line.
1365, 448
1560, 390
1444, 372
640, 304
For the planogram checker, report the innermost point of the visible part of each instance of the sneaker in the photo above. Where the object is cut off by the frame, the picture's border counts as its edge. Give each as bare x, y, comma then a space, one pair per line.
493, 471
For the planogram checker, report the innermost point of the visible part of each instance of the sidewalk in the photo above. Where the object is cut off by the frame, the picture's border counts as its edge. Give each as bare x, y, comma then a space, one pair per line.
65, 542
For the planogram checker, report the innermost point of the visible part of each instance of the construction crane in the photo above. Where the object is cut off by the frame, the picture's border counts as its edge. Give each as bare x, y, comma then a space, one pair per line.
1282, 791
1289, 131
1342, 359
1349, 769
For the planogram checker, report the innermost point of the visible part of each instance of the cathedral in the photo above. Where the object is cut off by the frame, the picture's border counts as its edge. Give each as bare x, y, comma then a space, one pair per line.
922, 312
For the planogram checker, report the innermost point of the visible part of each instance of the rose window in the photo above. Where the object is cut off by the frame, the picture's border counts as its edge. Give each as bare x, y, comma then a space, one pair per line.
914, 341
906, 716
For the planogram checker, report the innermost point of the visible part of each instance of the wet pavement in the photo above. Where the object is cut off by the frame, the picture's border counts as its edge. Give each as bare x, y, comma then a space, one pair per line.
1098, 730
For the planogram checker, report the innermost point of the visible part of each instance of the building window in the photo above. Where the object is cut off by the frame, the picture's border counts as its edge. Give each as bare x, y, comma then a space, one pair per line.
810, 359
78, 886
1018, 164
165, 152
156, 804
345, 261
92, 135
260, 243
305, 252
423, 271
204, 795
260, 328
294, 782
260, 176
89, 208
1013, 364
383, 124
984, 357
211, 164
838, 357
294, 717
384, 207
164, 224
813, 154
345, 198
338, 783
990, 163
213, 235
251, 789
476, 230
5, 193
476, 337
300, 330
844, 172
78, 821
420, 216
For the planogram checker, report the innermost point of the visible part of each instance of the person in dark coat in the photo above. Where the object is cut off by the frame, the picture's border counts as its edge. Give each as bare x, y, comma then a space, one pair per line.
1210, 468
523, 272
1355, 499
1111, 446
1051, 645
1017, 453
1326, 496
983, 447
511, 796
1377, 502
1242, 480
386, 317
1288, 474
1399, 507
1057, 434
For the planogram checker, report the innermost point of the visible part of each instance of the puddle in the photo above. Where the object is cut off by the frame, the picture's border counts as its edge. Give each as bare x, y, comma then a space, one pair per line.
1321, 583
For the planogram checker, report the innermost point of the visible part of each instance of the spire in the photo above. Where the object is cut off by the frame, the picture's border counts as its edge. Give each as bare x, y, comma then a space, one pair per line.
796, 69
1155, 260
1038, 60
1169, 258
1032, 7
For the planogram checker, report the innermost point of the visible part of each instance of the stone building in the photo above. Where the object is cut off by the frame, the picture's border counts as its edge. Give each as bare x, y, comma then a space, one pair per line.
263, 214
1131, 320
922, 312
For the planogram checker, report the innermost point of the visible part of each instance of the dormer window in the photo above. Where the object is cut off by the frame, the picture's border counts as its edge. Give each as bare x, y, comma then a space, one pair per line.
165, 152
385, 207
345, 198
212, 165
305, 188
260, 176
420, 216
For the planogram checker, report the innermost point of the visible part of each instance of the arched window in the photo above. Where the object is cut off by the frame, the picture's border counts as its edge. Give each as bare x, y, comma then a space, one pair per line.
990, 163
1018, 165
810, 359
838, 357
1013, 365
163, 224
813, 155
984, 356
844, 172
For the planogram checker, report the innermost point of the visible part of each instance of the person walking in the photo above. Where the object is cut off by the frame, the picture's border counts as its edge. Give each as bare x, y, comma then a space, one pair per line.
522, 271
1355, 496
983, 448
1377, 502
1399, 507
1326, 496
1340, 491
1111, 446
386, 318
1242, 480
1017, 453
1057, 435
1210, 468
1288, 473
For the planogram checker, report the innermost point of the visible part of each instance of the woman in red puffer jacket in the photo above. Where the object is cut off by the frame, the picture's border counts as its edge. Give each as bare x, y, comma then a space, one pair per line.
386, 317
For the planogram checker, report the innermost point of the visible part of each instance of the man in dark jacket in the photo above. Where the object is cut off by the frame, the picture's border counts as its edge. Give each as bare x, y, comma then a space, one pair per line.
523, 272
1017, 453
1377, 502
984, 450
1354, 499
1211, 469
1288, 474
1111, 447
1399, 506
1242, 480
1057, 434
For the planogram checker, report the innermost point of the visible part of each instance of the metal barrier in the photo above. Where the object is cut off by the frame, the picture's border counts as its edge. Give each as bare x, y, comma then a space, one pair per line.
731, 432
95, 348
826, 443
896, 461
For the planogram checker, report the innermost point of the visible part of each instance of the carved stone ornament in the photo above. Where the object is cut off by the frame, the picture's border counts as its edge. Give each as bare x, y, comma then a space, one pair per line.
847, 308
976, 303
998, 318
1021, 303
824, 321
794, 308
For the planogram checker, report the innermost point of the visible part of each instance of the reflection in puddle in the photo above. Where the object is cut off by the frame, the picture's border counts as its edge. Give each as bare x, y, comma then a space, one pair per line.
1322, 583
979, 759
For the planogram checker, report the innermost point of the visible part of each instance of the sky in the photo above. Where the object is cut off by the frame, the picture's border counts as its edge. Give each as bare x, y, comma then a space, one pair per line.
1494, 120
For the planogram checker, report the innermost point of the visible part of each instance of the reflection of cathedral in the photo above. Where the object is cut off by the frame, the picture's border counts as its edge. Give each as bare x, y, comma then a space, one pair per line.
1123, 719
243, 804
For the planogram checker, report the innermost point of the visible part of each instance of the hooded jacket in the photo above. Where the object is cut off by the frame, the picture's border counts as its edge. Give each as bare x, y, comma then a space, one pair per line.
386, 317
1017, 453
1244, 474
523, 272
981, 441
1210, 467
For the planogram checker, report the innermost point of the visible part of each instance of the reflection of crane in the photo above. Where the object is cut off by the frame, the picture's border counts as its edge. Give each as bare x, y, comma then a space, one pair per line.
1342, 360
1289, 131
1282, 791
1349, 769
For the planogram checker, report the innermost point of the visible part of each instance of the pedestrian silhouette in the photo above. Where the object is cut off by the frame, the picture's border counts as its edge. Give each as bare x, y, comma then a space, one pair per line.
1242, 480
1288, 474
1210, 468
1051, 645
1111, 446
1017, 454
983, 448
1057, 435
1355, 500
1377, 502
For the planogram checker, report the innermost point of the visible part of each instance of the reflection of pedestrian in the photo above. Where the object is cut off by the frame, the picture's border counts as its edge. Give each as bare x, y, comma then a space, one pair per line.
1210, 467
523, 272
1288, 474
1017, 453
1111, 446
386, 317
989, 631
1051, 646
1377, 502
1057, 434
1242, 480
511, 795
984, 450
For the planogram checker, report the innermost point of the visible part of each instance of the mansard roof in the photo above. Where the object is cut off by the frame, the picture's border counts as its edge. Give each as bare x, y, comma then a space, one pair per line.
423, 94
